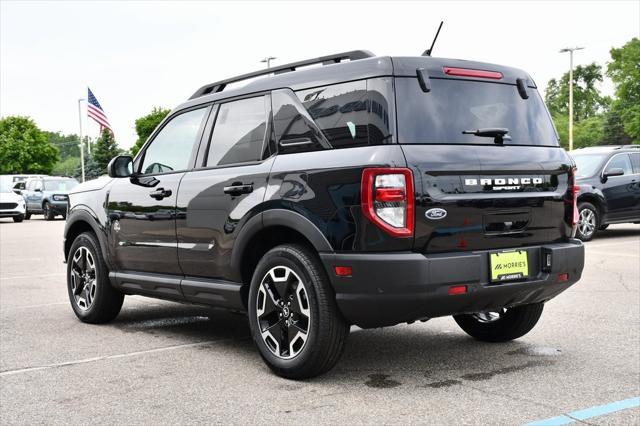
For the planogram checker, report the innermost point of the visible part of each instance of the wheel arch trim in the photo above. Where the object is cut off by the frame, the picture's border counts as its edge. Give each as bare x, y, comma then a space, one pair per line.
86, 216
277, 217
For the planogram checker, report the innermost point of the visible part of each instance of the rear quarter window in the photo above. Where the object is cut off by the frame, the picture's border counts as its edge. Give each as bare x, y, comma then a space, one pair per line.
452, 106
356, 113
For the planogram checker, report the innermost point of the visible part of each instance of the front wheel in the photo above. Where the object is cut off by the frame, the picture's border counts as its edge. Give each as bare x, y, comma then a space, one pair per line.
588, 221
48, 212
294, 319
92, 297
501, 325
18, 218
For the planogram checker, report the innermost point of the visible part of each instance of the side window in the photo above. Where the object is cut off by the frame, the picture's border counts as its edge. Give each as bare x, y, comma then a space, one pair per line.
239, 132
171, 148
620, 161
635, 162
350, 114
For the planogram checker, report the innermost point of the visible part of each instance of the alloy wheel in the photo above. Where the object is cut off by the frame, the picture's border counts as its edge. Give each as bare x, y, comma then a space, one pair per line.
283, 312
587, 222
83, 278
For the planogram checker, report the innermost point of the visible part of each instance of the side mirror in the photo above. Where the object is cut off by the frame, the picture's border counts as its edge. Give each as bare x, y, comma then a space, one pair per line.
616, 171
18, 191
120, 166
37, 190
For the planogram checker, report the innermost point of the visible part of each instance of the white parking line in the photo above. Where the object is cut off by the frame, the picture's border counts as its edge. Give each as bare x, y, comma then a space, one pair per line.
42, 305
18, 277
100, 358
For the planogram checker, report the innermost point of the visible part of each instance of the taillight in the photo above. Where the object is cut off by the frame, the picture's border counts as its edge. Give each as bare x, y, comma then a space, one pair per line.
575, 189
387, 199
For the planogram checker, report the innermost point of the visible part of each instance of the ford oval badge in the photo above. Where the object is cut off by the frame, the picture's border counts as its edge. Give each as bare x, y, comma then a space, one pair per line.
436, 214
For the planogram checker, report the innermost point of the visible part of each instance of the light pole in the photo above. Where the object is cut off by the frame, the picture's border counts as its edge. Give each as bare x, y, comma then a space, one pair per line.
268, 60
570, 50
81, 141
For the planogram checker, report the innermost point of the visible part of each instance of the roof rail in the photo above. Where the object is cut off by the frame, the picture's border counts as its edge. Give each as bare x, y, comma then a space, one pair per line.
628, 146
219, 86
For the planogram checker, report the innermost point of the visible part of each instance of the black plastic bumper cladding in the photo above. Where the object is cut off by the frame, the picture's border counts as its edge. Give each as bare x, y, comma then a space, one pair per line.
390, 288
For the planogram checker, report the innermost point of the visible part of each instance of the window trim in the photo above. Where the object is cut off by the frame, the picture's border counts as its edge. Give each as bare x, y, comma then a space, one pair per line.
201, 162
139, 160
624, 175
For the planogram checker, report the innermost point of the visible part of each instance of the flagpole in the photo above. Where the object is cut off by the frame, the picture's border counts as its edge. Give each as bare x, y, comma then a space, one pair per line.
81, 141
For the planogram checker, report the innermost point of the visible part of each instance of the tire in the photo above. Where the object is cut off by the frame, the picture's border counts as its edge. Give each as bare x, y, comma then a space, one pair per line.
603, 227
510, 323
27, 215
588, 221
310, 346
19, 218
49, 214
97, 301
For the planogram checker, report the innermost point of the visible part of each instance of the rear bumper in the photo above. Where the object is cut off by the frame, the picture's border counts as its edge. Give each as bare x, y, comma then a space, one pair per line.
390, 288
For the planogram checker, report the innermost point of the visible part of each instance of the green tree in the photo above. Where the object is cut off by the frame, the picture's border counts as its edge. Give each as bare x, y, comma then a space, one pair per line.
24, 148
66, 144
68, 167
587, 100
624, 70
587, 132
104, 150
146, 125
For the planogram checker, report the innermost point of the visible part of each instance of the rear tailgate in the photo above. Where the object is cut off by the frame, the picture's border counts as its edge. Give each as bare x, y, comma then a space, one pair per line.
489, 197
489, 170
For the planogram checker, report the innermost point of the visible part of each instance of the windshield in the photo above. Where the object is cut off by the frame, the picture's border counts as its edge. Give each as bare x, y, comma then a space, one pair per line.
587, 165
60, 184
454, 106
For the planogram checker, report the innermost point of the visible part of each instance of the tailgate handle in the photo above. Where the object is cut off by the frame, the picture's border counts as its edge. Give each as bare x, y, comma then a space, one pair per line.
501, 223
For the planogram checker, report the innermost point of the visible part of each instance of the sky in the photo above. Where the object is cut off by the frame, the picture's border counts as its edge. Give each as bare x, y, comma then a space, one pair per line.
139, 54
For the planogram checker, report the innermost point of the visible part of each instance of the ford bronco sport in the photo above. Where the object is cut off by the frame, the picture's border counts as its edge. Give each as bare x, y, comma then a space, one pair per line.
368, 190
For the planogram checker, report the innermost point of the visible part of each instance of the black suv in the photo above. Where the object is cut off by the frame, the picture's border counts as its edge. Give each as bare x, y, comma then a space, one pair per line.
367, 190
609, 182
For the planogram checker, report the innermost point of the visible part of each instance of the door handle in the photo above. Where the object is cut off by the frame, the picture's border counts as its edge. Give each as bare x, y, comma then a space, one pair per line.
238, 189
160, 193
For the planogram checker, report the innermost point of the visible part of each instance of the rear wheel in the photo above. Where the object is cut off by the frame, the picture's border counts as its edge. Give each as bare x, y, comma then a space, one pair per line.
293, 315
588, 221
27, 215
48, 212
18, 218
92, 297
501, 325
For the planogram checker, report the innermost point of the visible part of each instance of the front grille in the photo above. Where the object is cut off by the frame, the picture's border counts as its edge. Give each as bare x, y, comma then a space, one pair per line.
8, 206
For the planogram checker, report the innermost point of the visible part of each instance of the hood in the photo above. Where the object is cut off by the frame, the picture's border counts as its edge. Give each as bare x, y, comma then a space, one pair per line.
10, 197
92, 185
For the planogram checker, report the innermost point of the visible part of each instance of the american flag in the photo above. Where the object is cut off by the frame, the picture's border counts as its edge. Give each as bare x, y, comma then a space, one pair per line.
94, 110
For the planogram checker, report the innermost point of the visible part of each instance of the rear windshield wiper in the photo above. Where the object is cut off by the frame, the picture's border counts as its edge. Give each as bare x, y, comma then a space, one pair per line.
498, 134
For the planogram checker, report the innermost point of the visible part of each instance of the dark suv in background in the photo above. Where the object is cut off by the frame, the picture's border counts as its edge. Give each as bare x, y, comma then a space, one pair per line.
608, 178
369, 191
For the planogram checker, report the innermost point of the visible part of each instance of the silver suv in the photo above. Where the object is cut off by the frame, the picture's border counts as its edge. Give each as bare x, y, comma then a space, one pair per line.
48, 196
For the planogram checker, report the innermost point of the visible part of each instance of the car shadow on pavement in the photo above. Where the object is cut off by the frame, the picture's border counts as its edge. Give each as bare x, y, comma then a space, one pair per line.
377, 358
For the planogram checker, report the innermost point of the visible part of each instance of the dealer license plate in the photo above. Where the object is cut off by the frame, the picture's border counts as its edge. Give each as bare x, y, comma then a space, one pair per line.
509, 265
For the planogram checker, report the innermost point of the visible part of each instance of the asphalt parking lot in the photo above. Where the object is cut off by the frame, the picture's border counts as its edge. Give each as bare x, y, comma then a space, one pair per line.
167, 363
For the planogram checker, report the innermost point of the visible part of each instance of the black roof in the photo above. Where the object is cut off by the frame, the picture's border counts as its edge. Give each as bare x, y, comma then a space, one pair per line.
361, 64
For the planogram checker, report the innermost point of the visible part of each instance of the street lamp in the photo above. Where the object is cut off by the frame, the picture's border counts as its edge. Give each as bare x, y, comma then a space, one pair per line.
268, 60
570, 50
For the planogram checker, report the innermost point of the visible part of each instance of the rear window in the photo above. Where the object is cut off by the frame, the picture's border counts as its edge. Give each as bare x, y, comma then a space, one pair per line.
453, 106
